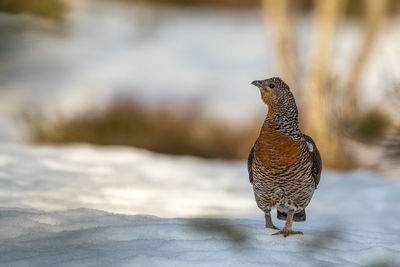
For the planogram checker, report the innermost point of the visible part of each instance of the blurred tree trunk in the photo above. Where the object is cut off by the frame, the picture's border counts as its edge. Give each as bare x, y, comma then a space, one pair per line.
319, 86
276, 18
318, 107
375, 12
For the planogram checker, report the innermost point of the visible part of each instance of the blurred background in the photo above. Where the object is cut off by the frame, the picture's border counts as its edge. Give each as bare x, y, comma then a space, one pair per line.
173, 76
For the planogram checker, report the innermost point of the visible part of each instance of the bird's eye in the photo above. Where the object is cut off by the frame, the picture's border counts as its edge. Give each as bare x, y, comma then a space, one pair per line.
271, 85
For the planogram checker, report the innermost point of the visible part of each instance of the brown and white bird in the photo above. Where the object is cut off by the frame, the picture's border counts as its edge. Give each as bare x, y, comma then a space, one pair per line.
284, 164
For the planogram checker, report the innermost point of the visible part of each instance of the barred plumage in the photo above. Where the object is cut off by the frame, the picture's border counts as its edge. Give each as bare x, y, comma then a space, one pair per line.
284, 164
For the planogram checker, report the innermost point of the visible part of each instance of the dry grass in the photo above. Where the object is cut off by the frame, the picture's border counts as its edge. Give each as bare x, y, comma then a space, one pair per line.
53, 9
126, 122
214, 3
370, 126
352, 8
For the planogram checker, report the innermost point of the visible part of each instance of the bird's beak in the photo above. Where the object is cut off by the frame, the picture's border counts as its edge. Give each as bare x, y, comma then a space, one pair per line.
257, 83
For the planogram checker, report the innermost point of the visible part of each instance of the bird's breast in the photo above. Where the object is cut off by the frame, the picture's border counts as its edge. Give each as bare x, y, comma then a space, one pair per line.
275, 150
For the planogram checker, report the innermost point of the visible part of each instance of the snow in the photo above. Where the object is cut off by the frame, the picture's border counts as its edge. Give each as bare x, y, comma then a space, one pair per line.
120, 180
84, 205
88, 237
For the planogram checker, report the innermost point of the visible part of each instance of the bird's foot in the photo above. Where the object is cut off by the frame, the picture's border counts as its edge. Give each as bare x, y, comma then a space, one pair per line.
285, 232
268, 221
271, 226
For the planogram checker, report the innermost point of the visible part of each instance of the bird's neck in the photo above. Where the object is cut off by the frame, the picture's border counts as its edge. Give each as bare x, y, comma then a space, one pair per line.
284, 117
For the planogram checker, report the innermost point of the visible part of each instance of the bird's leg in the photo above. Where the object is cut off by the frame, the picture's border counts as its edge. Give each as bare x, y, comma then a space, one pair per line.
287, 230
268, 221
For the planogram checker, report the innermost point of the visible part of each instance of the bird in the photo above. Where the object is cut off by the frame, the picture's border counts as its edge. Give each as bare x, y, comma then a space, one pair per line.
284, 165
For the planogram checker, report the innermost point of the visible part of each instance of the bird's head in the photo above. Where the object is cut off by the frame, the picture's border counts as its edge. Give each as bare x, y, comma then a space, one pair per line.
272, 89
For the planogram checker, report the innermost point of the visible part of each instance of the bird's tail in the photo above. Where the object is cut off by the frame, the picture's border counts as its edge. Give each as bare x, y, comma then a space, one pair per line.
297, 217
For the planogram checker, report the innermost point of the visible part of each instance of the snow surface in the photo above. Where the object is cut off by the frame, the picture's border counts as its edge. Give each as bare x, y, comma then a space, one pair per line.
46, 193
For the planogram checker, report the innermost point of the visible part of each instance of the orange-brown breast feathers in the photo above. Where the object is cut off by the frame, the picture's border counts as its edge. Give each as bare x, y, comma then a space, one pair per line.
276, 151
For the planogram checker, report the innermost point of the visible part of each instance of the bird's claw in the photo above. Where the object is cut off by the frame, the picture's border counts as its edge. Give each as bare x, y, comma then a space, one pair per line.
285, 233
272, 227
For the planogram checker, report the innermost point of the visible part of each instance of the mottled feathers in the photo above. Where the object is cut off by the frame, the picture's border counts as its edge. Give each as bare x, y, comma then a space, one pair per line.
316, 160
250, 163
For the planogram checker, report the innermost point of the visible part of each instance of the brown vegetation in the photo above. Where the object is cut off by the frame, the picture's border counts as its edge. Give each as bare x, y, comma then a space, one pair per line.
370, 127
352, 8
222, 3
56, 9
126, 122
53, 9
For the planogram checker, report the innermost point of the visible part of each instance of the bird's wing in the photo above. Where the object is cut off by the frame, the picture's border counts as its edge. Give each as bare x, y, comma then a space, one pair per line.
250, 163
315, 159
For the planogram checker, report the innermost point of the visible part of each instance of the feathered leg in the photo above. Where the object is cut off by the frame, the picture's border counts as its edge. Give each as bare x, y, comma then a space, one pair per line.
287, 230
268, 221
